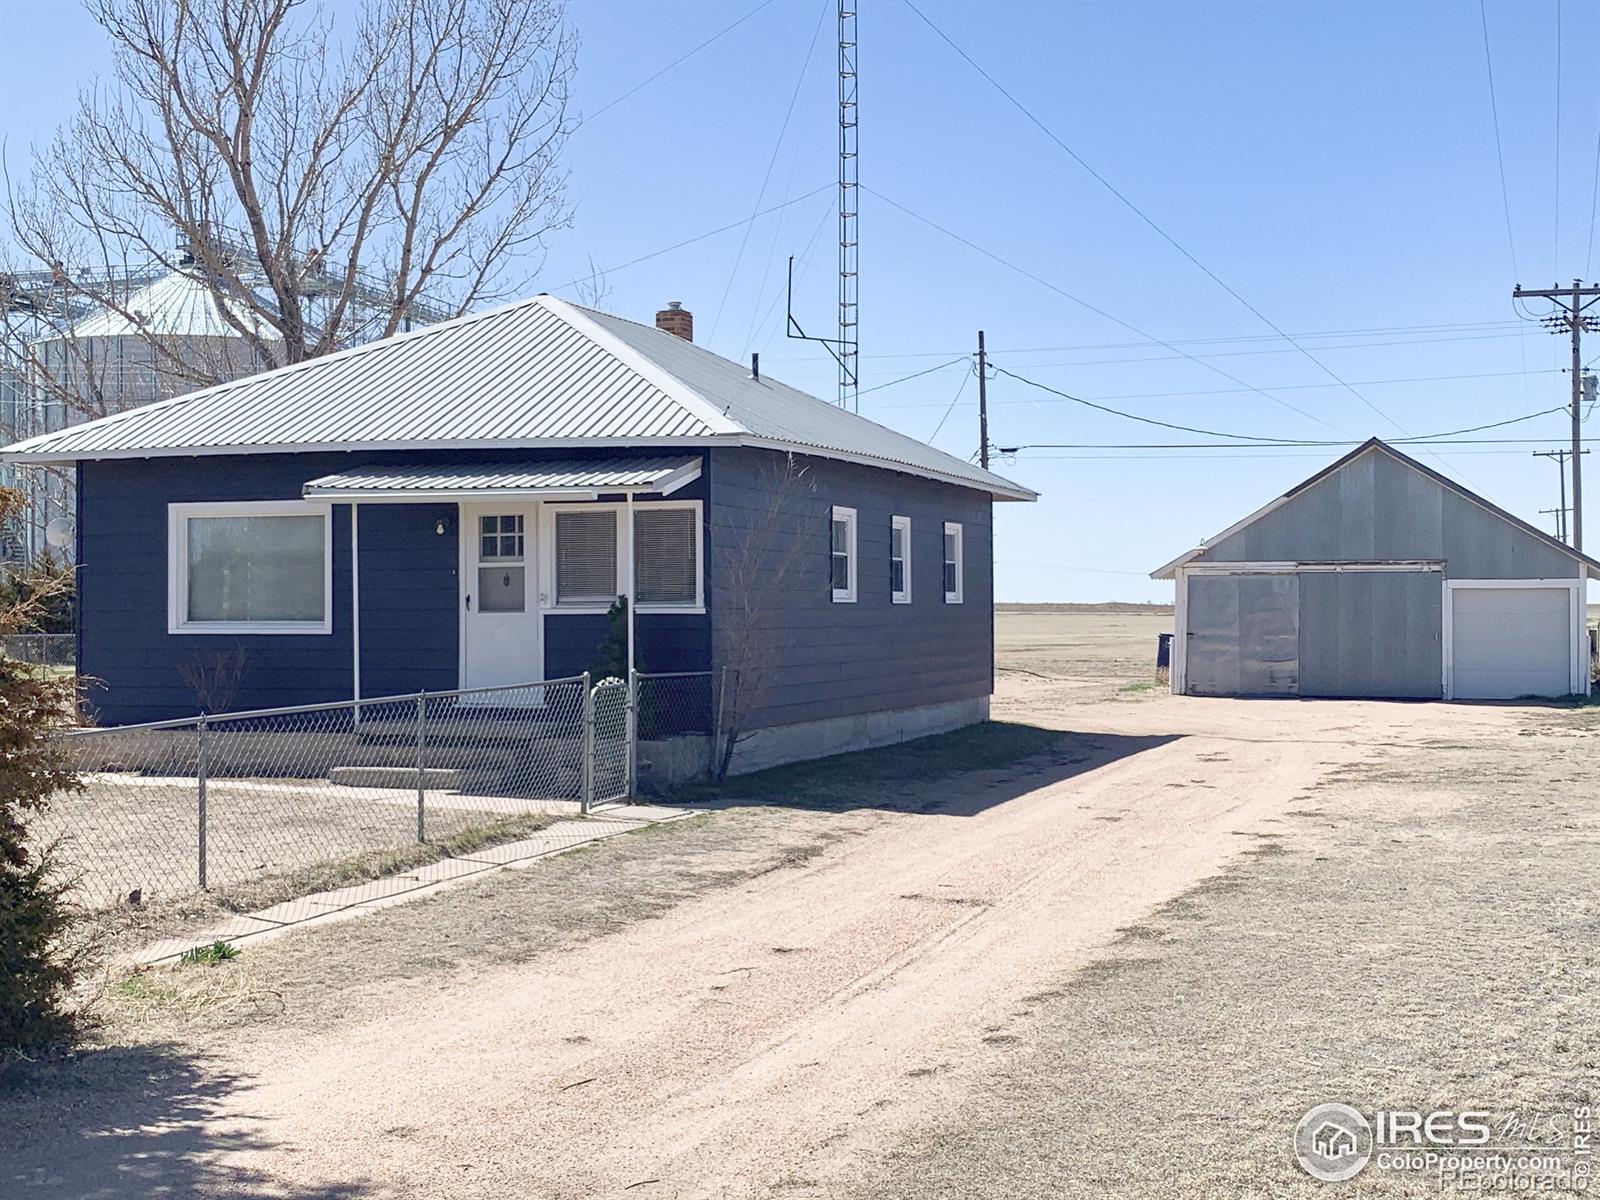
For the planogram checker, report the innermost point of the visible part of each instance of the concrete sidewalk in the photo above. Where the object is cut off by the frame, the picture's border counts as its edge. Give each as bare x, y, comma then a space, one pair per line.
341, 904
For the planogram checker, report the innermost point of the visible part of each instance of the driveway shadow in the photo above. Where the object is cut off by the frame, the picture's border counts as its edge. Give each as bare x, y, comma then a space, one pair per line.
961, 773
129, 1122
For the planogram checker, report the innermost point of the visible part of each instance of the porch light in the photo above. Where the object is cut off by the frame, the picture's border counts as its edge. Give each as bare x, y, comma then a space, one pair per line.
438, 527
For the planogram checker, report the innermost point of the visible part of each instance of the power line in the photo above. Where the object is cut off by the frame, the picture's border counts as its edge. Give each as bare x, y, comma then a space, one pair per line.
767, 176
950, 409
1301, 386
1148, 220
679, 61
1499, 149
1215, 341
1288, 445
700, 237
878, 387
1100, 312
1249, 437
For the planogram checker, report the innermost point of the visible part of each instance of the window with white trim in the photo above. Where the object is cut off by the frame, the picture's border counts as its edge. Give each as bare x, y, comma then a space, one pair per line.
590, 566
666, 547
586, 556
842, 555
900, 560
248, 567
952, 563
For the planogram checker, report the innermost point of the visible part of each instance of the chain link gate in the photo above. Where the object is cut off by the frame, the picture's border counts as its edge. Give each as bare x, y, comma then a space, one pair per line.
608, 753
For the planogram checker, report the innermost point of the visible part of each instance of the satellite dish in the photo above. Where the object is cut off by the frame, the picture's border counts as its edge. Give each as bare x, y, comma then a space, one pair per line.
61, 532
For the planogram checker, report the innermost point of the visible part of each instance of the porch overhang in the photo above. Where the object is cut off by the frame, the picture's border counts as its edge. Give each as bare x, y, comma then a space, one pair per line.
564, 480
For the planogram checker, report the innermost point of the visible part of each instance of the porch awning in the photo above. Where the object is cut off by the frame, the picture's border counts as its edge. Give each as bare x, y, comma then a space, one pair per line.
572, 479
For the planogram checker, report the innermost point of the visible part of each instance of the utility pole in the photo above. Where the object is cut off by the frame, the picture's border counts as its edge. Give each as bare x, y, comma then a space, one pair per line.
1571, 304
1560, 457
983, 404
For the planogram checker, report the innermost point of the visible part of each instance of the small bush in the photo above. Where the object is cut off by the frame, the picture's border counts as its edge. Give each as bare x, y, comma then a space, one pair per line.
37, 961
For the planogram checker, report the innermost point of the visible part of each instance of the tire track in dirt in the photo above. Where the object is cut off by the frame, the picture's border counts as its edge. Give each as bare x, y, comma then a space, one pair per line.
763, 1037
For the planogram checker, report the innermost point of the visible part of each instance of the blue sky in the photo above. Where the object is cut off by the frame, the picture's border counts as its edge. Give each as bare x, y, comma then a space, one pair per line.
1334, 164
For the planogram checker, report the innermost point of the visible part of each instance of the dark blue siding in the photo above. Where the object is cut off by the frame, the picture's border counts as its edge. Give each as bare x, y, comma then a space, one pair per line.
820, 659
138, 667
667, 642
409, 591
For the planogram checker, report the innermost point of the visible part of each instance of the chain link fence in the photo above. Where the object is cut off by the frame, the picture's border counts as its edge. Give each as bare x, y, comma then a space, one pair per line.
307, 798
271, 804
678, 715
41, 649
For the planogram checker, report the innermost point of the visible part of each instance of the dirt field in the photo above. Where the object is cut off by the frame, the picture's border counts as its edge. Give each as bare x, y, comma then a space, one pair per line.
1113, 946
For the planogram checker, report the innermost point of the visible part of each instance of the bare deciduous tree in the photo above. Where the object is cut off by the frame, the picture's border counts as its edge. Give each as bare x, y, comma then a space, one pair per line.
757, 562
324, 182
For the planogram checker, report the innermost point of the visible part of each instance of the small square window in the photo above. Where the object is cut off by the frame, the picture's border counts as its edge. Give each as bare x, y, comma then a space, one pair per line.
842, 555
500, 538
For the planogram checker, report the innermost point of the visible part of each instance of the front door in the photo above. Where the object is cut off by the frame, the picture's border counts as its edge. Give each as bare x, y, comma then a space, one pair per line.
501, 641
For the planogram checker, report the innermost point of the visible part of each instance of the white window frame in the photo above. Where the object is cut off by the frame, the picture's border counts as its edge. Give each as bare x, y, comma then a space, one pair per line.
903, 596
178, 517
547, 551
844, 595
956, 596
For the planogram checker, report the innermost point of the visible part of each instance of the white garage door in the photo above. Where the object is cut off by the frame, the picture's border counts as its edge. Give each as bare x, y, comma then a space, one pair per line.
1510, 641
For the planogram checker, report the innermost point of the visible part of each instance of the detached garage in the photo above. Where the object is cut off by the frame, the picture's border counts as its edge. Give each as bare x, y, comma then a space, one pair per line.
1380, 578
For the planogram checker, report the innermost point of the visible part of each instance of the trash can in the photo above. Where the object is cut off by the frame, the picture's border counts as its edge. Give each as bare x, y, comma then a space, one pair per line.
1163, 657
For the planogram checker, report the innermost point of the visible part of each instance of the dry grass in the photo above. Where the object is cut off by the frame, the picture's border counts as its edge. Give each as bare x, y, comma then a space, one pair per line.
1427, 934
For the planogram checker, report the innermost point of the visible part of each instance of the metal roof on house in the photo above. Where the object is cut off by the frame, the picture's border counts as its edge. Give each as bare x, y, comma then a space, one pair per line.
176, 305
537, 374
662, 475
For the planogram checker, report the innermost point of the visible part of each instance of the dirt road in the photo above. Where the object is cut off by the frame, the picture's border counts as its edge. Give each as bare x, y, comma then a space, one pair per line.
764, 1038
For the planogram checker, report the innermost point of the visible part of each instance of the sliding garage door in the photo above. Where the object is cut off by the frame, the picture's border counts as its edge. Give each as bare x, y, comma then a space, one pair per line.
1507, 642
1243, 635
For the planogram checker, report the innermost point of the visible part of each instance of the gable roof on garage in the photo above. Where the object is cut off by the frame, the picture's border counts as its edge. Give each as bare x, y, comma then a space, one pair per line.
1203, 552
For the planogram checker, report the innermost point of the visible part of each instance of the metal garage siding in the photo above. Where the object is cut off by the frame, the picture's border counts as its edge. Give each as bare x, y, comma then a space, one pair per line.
1371, 634
1378, 508
1242, 635
1511, 642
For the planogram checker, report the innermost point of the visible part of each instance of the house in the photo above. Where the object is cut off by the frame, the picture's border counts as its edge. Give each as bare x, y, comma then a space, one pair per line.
451, 508
1380, 577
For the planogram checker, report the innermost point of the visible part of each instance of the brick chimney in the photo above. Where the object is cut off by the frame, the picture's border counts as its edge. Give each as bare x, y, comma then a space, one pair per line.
676, 320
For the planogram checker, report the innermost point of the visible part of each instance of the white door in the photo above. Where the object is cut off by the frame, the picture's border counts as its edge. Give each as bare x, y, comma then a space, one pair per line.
1507, 642
501, 640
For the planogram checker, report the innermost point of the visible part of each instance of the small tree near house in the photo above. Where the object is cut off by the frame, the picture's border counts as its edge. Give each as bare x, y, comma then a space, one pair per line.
37, 964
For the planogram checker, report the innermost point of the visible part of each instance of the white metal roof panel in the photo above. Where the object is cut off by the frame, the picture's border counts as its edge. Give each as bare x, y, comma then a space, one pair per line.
612, 475
538, 373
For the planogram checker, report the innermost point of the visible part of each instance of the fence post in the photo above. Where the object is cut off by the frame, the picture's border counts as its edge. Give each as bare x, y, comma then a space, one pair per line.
200, 794
633, 728
586, 787
422, 785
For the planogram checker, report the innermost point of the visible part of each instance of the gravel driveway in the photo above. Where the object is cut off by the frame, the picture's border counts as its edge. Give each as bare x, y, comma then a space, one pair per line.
777, 1030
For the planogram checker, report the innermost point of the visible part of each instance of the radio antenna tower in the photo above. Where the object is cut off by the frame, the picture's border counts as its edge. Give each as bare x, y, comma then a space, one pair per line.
849, 195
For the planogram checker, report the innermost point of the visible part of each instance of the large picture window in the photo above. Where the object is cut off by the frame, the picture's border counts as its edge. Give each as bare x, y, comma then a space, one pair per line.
248, 568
